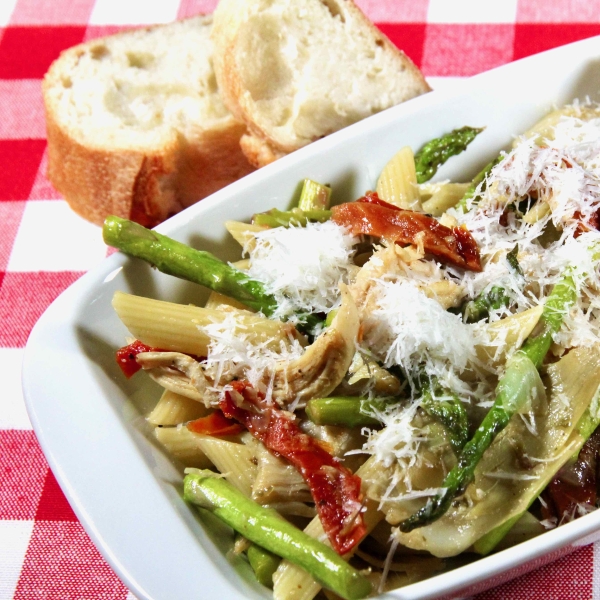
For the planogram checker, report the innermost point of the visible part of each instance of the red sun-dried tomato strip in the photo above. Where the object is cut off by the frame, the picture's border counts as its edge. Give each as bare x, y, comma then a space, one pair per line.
215, 424
372, 217
593, 223
575, 484
335, 489
373, 198
127, 357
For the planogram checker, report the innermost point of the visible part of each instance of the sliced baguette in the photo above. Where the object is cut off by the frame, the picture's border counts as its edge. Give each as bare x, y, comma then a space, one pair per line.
297, 71
136, 126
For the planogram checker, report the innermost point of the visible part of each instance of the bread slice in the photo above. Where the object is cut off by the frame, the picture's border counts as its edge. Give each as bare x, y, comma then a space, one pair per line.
136, 126
297, 71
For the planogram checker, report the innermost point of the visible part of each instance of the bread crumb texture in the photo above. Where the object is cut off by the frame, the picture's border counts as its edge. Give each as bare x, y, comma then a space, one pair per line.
139, 88
297, 71
142, 111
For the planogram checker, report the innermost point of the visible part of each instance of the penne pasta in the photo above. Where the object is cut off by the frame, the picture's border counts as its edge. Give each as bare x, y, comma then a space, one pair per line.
173, 408
243, 233
397, 183
184, 445
178, 327
236, 461
537, 212
444, 196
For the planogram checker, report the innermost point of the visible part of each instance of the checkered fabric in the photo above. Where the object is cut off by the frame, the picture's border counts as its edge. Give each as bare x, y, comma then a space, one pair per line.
44, 247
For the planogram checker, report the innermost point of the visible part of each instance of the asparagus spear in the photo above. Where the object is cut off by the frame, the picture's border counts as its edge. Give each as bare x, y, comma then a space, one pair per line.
286, 218
512, 392
450, 412
436, 152
174, 258
330, 317
513, 262
263, 563
266, 528
313, 205
472, 189
314, 196
342, 411
493, 298
479, 308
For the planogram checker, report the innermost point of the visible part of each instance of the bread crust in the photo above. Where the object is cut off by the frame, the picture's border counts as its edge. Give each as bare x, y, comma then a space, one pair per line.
261, 145
146, 184
258, 151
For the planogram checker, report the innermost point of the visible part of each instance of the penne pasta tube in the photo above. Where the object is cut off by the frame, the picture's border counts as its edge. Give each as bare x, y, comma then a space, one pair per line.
243, 233
397, 183
184, 445
173, 408
444, 197
236, 461
537, 212
178, 327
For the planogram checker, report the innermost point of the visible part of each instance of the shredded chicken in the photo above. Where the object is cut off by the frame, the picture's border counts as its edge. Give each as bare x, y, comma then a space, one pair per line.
178, 373
394, 261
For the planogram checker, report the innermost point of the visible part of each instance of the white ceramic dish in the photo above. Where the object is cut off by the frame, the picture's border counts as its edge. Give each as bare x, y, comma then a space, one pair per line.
88, 418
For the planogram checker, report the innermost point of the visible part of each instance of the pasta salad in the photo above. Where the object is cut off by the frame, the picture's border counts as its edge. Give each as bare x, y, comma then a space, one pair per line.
383, 389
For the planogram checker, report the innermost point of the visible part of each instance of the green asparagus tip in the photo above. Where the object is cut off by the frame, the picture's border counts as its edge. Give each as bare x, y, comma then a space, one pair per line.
116, 229
432, 511
193, 491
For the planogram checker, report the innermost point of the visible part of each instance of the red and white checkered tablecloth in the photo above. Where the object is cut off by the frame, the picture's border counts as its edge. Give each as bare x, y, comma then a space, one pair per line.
44, 247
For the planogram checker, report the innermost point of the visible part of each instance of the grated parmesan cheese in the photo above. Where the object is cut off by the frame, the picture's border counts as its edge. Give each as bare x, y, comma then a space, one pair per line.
413, 331
562, 170
232, 353
399, 439
303, 266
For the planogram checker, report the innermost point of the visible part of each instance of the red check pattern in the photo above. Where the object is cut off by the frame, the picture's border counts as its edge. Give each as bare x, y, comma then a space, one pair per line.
44, 551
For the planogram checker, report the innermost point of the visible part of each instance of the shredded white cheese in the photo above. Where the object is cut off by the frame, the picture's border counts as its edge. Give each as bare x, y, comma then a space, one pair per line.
411, 330
233, 353
562, 171
303, 266
399, 439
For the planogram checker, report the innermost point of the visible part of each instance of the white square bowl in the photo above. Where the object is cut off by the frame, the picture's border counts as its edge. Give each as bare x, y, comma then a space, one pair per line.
89, 419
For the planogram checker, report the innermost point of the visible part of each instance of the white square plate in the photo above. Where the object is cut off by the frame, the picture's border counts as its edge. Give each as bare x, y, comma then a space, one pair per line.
89, 419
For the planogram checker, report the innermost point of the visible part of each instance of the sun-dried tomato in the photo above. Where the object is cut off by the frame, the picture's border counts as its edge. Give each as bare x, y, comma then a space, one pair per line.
215, 424
575, 486
455, 246
127, 357
335, 489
